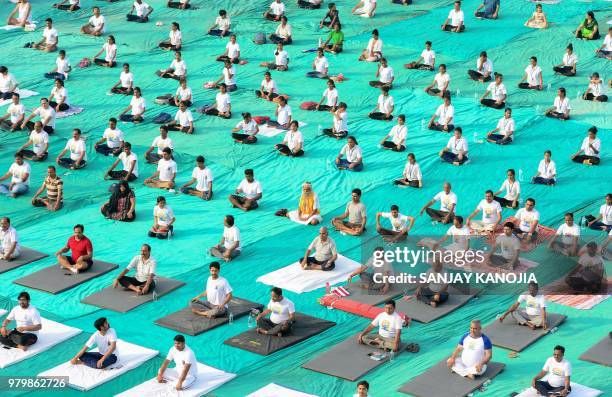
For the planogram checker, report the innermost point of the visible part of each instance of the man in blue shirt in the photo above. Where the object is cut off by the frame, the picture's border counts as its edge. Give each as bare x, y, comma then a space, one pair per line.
490, 9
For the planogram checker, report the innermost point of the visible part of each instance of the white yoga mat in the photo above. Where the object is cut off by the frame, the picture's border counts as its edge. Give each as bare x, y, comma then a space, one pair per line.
577, 391
298, 280
29, 27
72, 110
293, 216
23, 93
266, 130
50, 335
209, 379
274, 390
85, 378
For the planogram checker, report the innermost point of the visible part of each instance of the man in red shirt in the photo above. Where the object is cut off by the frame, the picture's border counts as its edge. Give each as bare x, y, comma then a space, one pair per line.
81, 252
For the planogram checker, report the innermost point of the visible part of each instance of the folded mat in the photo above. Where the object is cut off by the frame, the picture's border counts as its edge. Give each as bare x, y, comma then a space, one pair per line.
304, 327
72, 110
516, 337
439, 381
294, 278
84, 378
185, 321
27, 256
601, 353
50, 335
424, 313
54, 279
269, 131
577, 391
122, 301
373, 297
23, 93
209, 379
274, 390
349, 360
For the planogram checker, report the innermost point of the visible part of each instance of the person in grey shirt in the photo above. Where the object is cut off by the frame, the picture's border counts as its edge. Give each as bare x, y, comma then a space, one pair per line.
325, 253
369, 279
356, 213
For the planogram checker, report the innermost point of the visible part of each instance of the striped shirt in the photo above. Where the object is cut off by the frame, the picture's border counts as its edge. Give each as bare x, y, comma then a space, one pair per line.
53, 186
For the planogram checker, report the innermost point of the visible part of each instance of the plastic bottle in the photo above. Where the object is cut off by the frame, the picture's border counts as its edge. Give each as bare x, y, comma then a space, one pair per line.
520, 175
231, 317
391, 355
319, 128
458, 92
422, 124
320, 42
475, 138
250, 321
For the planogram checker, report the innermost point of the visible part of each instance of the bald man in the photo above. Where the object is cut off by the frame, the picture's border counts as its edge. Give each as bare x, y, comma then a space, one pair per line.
325, 253
476, 351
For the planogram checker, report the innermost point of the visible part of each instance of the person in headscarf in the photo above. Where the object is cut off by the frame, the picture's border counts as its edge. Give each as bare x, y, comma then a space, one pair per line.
589, 28
121, 206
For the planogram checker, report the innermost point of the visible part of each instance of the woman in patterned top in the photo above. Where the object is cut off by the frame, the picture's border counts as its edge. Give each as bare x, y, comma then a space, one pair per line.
122, 204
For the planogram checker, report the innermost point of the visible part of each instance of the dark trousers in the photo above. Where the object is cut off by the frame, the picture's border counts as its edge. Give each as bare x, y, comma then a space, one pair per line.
451, 157
564, 70
526, 86
438, 215
136, 18
405, 182
102, 62
54, 75
130, 118
215, 112
312, 261
557, 115
538, 180
15, 338
258, 94
393, 146
48, 129
438, 127
91, 359
600, 98
448, 28
217, 32
544, 388
504, 202
380, 116
274, 329
243, 138
116, 175
105, 150
284, 149
330, 132
597, 225
62, 107
583, 157
126, 281
499, 139
427, 296
475, 75
67, 162
66, 7
491, 103
277, 39
167, 46
308, 5
29, 154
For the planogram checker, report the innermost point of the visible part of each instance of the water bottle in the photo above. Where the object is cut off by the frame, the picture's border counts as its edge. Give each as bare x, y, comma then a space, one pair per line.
520, 175
250, 321
320, 42
538, 109
328, 164
458, 92
548, 87
319, 128
552, 331
422, 124
475, 138
475, 95
327, 288
154, 294
487, 382
391, 355
231, 317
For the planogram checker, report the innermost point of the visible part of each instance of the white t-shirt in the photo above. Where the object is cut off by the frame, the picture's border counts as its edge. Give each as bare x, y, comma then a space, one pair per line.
7, 238
223, 23
280, 310
547, 170
607, 43
429, 57
232, 49
97, 22
321, 64
497, 91
15, 111
103, 342
175, 37
143, 267
277, 8
569, 60
203, 177
561, 105
182, 358
533, 74
50, 35
113, 137
606, 214
597, 89
398, 134
250, 190
397, 224
374, 45
568, 233
141, 8
127, 162
284, 112
586, 146
446, 200
183, 93
76, 148
506, 126
217, 290
25, 317
127, 79
248, 128
167, 169
460, 236
341, 122
111, 52
489, 210
46, 113
183, 118
457, 145
456, 17
352, 154
385, 103
223, 101
441, 80
445, 114
164, 215
283, 31
281, 59
39, 141
512, 189
293, 139
485, 67
527, 218
385, 74
138, 105
557, 371
474, 349
533, 304
63, 65
161, 143
388, 324
230, 236
180, 67
227, 79
331, 97
7, 83
412, 172
269, 86
58, 93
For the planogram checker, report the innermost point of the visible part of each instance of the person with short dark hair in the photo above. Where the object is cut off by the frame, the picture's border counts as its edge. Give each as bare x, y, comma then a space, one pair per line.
28, 323
445, 114
448, 204
232, 51
218, 294
282, 315
355, 211
268, 89
340, 123
160, 143
398, 135
292, 143
476, 351
185, 371
73, 5
534, 315
497, 89
331, 17
455, 20
129, 161
19, 172
330, 97
427, 60
9, 240
165, 175
78, 152
248, 192
112, 140
49, 40
490, 9
373, 51
223, 104
183, 94
183, 120
595, 91
125, 84
590, 275
569, 234
491, 215
229, 246
384, 106
96, 25
143, 10
137, 106
282, 33
105, 338
39, 140
15, 114
512, 187
81, 252
354, 156
203, 178
163, 220
591, 147
400, 224
558, 371
145, 267
249, 129
510, 247
604, 220
547, 171
47, 115
561, 107
588, 28
528, 221
335, 40
484, 69
177, 69
456, 149
276, 11
389, 324
568, 66
385, 75
363, 387
325, 254
222, 25
121, 206
54, 186
503, 133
